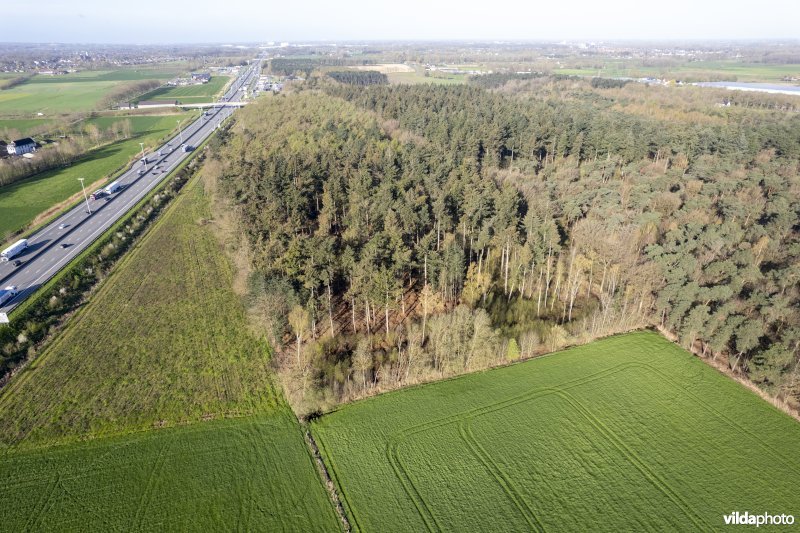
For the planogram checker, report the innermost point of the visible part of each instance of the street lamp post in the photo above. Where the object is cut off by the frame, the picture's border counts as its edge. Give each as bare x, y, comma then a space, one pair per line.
180, 131
88, 209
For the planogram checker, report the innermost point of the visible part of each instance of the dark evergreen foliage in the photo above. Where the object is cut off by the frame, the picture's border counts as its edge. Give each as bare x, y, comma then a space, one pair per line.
359, 78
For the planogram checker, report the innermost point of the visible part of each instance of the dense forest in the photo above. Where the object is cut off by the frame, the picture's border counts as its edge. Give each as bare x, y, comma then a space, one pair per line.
405, 233
359, 78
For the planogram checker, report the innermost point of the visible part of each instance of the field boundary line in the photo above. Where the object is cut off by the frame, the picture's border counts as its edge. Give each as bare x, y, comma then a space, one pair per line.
335, 477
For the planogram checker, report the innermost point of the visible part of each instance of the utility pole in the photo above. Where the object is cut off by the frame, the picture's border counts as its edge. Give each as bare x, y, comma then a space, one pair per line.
88, 209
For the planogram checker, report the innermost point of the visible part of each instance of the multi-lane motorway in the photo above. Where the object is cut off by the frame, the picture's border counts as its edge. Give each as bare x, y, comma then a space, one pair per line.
55, 245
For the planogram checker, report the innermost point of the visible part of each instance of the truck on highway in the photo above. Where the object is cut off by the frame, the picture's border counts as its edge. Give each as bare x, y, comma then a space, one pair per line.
112, 187
7, 294
14, 249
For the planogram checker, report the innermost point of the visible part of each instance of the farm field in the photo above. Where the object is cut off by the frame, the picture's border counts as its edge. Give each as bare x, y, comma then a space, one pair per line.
23, 127
631, 428
21, 202
247, 474
164, 342
696, 71
190, 94
81, 91
419, 77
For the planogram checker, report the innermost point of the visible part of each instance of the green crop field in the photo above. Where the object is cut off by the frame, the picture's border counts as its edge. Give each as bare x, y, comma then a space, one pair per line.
164, 342
694, 71
190, 94
155, 409
21, 202
629, 433
418, 77
80, 91
247, 474
23, 127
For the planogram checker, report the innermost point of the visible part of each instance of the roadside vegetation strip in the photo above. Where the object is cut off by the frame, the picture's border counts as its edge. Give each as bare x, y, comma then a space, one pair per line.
616, 428
39, 318
251, 473
163, 342
22, 202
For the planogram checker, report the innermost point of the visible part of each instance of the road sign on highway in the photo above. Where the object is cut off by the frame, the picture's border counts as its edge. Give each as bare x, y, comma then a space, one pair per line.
3, 318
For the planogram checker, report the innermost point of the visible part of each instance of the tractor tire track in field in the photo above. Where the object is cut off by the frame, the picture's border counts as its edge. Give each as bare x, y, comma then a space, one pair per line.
516, 497
791, 464
514, 494
637, 461
152, 481
394, 441
42, 505
615, 441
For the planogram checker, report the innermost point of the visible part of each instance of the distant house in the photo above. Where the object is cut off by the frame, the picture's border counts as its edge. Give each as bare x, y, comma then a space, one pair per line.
157, 103
202, 77
21, 146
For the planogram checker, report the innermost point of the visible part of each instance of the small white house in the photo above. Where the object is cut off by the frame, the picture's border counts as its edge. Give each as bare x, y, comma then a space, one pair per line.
21, 146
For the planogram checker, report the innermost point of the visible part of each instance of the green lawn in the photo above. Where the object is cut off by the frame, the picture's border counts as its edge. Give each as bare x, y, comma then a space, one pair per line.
21, 202
190, 94
81, 91
248, 474
629, 433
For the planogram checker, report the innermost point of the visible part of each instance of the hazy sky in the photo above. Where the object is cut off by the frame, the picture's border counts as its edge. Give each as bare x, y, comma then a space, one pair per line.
162, 21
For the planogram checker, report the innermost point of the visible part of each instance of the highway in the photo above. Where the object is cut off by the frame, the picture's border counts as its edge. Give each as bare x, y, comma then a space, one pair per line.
53, 247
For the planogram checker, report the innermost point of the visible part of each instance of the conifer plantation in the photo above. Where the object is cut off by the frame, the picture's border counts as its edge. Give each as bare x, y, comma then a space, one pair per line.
400, 234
